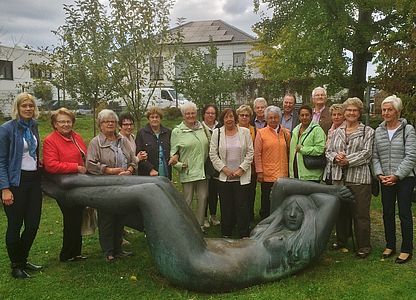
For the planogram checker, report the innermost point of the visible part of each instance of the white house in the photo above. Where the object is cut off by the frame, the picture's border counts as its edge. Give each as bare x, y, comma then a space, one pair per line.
14, 76
233, 48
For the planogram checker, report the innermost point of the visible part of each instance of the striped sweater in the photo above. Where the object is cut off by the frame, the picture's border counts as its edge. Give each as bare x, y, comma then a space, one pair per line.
358, 148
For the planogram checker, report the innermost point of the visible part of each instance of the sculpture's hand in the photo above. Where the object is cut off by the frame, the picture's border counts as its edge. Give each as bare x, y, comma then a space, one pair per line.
345, 194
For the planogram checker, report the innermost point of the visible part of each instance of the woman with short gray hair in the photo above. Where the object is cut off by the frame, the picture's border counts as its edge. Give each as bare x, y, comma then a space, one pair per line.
109, 153
189, 150
394, 159
271, 155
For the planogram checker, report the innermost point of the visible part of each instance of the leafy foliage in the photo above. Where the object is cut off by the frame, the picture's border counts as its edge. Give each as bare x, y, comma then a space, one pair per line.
326, 42
104, 51
205, 82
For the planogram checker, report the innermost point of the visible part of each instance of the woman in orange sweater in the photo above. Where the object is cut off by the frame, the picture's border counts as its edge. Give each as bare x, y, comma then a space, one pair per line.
271, 155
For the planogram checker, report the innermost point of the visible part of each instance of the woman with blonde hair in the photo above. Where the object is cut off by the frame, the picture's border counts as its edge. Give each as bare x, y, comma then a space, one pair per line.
20, 182
350, 151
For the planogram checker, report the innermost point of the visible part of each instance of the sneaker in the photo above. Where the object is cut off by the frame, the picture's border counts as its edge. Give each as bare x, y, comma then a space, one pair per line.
125, 242
206, 223
214, 221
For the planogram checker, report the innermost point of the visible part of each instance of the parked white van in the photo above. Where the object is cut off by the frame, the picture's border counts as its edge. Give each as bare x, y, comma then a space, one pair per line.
162, 97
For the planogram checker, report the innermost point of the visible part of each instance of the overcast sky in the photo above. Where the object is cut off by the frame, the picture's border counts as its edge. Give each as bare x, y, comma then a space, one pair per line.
27, 22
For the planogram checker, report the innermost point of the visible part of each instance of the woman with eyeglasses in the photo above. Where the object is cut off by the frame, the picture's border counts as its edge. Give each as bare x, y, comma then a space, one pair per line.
64, 152
350, 153
20, 182
110, 154
209, 121
245, 113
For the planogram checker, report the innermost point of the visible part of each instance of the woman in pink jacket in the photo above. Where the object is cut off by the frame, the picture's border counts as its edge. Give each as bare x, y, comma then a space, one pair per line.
64, 153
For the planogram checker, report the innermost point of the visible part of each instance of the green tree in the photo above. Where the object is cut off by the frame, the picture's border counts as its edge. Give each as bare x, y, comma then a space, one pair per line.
326, 41
205, 82
82, 58
42, 89
140, 30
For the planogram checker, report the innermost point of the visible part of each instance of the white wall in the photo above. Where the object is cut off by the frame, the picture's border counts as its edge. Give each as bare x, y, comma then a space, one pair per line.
10, 88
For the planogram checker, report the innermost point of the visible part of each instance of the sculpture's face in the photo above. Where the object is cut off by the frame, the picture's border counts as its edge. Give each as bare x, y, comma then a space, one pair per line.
293, 216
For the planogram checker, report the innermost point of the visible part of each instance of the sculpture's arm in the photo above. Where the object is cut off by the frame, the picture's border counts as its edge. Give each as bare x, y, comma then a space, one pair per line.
285, 187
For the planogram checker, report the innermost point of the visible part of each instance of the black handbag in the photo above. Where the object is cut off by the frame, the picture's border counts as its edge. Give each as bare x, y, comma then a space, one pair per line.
375, 183
208, 167
314, 162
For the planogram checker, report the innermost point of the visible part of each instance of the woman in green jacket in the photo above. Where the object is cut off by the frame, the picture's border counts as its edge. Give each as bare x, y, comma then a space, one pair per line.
189, 150
308, 138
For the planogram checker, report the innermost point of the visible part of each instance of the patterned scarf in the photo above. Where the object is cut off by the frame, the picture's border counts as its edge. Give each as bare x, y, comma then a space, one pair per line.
28, 136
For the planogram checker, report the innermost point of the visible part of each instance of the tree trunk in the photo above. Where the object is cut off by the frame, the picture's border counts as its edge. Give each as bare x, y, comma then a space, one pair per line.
361, 55
359, 74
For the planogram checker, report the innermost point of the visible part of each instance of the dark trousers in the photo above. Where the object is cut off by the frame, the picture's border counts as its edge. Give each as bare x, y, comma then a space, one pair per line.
234, 208
72, 239
266, 188
212, 196
26, 209
110, 232
359, 213
252, 197
402, 193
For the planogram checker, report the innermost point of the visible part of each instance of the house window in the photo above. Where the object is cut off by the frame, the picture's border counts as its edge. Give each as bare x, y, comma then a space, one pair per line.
38, 71
239, 59
6, 70
210, 59
156, 68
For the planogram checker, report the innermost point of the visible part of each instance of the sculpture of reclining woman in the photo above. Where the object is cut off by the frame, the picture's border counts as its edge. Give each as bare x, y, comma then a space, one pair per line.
294, 235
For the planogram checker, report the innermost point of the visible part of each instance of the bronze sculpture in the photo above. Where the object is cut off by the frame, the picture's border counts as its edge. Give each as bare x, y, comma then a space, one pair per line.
294, 235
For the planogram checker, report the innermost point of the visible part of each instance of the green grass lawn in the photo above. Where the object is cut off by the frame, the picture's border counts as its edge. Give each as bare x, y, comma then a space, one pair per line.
334, 276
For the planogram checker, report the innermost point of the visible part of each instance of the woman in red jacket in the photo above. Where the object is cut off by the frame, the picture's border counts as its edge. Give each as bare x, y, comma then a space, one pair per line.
64, 153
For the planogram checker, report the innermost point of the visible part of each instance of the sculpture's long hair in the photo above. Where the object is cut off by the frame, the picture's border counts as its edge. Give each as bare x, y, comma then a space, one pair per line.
300, 245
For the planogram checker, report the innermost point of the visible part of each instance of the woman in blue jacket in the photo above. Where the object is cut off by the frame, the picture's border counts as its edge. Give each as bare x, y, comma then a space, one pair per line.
20, 182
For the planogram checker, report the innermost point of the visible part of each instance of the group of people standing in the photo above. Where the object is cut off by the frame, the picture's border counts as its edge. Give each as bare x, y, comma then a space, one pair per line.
241, 147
